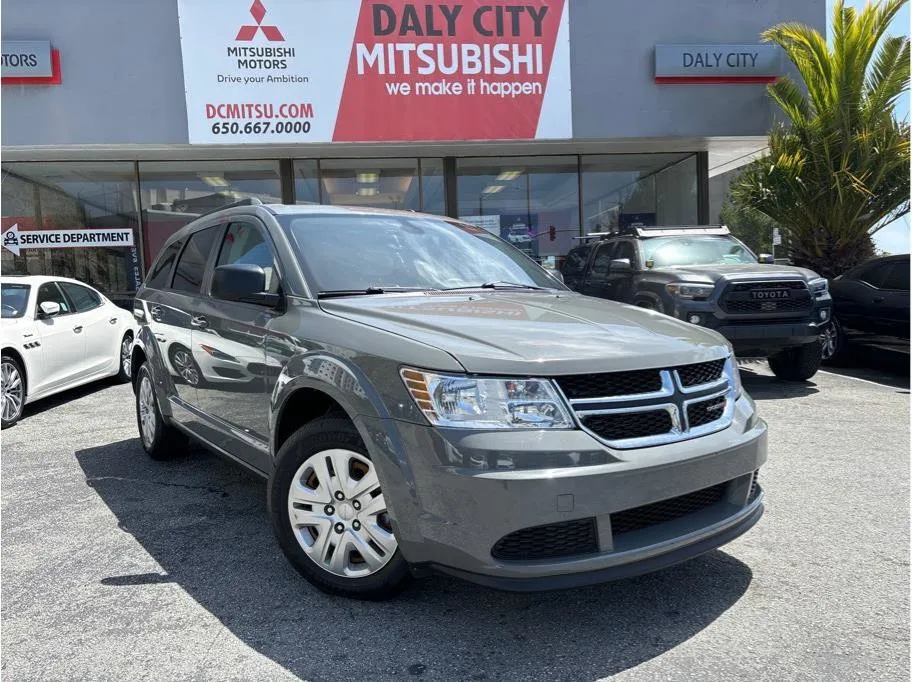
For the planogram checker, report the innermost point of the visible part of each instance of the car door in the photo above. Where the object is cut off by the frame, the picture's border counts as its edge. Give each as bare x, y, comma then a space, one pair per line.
102, 345
178, 311
62, 341
620, 282
232, 339
596, 281
891, 307
854, 295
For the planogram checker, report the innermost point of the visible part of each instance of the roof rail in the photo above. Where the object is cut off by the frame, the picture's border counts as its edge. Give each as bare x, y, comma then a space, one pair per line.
596, 235
248, 201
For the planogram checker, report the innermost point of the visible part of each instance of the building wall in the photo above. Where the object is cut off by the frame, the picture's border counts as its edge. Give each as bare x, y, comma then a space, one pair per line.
123, 82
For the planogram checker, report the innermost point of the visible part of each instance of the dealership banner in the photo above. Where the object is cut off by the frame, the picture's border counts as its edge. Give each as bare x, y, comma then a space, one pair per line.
297, 71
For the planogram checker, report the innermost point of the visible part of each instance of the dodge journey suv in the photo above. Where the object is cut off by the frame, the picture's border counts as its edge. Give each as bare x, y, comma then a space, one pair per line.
422, 396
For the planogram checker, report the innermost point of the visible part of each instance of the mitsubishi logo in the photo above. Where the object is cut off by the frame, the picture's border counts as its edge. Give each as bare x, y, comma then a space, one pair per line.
248, 32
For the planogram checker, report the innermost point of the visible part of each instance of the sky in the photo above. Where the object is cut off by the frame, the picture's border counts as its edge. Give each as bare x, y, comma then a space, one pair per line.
894, 238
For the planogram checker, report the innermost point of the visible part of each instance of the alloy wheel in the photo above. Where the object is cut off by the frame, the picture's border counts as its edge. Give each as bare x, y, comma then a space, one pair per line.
12, 391
829, 341
147, 412
126, 355
338, 514
186, 366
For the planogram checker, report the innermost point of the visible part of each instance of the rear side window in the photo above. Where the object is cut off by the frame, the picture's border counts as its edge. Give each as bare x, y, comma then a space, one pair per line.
576, 262
158, 278
897, 279
83, 298
875, 274
192, 263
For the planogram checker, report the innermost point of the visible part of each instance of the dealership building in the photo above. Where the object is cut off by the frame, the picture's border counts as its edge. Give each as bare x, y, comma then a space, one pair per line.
540, 121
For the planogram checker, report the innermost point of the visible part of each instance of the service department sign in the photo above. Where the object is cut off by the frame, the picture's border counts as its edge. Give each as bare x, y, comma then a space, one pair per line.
717, 63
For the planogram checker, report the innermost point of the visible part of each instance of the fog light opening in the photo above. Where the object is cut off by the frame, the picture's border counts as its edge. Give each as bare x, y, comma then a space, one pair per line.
694, 318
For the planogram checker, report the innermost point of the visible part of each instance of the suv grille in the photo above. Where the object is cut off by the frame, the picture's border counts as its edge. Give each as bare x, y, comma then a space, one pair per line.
705, 412
703, 373
666, 510
568, 538
584, 386
738, 298
629, 424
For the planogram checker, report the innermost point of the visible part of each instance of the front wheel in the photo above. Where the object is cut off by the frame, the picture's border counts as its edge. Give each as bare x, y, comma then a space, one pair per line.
797, 364
125, 359
330, 516
13, 396
160, 440
832, 343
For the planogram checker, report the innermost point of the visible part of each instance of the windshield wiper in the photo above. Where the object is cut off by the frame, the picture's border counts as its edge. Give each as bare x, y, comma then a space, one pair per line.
499, 285
338, 293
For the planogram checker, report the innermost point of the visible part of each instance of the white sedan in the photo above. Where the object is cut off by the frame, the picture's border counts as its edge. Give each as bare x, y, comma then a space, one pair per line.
58, 333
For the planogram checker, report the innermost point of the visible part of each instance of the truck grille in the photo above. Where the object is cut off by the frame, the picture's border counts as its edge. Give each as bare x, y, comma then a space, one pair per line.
629, 424
584, 386
568, 538
739, 298
667, 510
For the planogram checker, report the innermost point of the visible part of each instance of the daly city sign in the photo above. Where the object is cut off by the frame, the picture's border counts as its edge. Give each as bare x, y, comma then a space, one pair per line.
717, 63
14, 240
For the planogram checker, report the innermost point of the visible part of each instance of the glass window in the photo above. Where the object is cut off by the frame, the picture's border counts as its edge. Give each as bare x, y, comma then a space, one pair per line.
695, 250
307, 182
433, 190
897, 278
376, 183
15, 299
621, 190
341, 252
244, 244
175, 192
159, 277
626, 250
576, 262
875, 274
50, 293
82, 298
74, 195
191, 267
602, 261
521, 199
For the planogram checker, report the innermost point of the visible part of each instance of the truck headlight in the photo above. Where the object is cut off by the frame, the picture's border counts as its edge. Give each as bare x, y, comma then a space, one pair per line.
481, 403
819, 286
690, 291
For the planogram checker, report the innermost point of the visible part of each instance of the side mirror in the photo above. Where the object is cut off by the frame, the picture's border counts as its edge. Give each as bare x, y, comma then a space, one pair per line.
48, 309
765, 258
620, 265
244, 283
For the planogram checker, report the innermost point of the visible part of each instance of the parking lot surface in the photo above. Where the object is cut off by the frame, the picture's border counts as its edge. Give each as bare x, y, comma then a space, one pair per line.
116, 567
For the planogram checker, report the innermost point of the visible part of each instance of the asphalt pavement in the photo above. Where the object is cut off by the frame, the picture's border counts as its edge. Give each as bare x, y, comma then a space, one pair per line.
116, 567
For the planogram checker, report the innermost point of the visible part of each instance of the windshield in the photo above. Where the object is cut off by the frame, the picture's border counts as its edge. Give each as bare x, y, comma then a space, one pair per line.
15, 299
696, 250
361, 252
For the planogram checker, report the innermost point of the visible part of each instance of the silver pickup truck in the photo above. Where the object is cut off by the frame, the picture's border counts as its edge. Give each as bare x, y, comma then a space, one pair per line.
421, 396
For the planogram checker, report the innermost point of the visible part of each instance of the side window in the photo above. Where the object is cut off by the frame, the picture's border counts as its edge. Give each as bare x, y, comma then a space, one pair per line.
897, 279
191, 266
875, 274
50, 292
576, 262
602, 260
626, 250
83, 298
158, 277
244, 244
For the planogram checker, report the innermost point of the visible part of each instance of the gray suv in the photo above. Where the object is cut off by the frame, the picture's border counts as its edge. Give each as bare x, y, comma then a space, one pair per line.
422, 396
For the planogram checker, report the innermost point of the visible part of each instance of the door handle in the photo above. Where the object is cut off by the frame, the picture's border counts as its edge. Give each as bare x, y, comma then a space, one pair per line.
113, 320
156, 313
199, 321
77, 330
878, 299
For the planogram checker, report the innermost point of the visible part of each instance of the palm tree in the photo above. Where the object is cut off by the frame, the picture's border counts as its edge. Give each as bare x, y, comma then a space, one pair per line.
838, 170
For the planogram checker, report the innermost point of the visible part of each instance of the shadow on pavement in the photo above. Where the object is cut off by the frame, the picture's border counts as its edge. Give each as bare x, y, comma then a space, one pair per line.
67, 396
204, 521
767, 387
880, 366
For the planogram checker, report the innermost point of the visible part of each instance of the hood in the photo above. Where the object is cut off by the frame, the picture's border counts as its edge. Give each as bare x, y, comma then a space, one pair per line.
534, 333
736, 273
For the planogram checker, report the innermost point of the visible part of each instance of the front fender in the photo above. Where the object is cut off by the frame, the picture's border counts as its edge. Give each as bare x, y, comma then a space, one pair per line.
144, 342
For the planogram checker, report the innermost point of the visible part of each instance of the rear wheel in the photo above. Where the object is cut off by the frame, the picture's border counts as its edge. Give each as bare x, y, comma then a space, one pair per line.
126, 358
797, 364
330, 516
12, 378
160, 440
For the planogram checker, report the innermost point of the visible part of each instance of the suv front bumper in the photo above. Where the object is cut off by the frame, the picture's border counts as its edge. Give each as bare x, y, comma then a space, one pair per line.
463, 513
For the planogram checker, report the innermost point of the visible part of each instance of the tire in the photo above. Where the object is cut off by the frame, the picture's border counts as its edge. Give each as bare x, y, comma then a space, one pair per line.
125, 360
796, 364
14, 390
833, 344
184, 365
326, 540
160, 440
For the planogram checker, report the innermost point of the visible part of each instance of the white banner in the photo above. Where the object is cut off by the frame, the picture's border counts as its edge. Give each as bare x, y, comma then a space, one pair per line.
14, 240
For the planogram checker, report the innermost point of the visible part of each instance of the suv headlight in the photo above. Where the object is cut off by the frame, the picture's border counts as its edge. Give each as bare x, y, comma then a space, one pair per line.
734, 375
689, 290
481, 403
818, 286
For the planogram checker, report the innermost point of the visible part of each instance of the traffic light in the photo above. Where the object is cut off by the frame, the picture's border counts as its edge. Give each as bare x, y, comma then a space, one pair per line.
552, 233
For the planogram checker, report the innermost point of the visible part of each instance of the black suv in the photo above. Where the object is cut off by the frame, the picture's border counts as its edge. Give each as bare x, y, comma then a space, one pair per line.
707, 277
